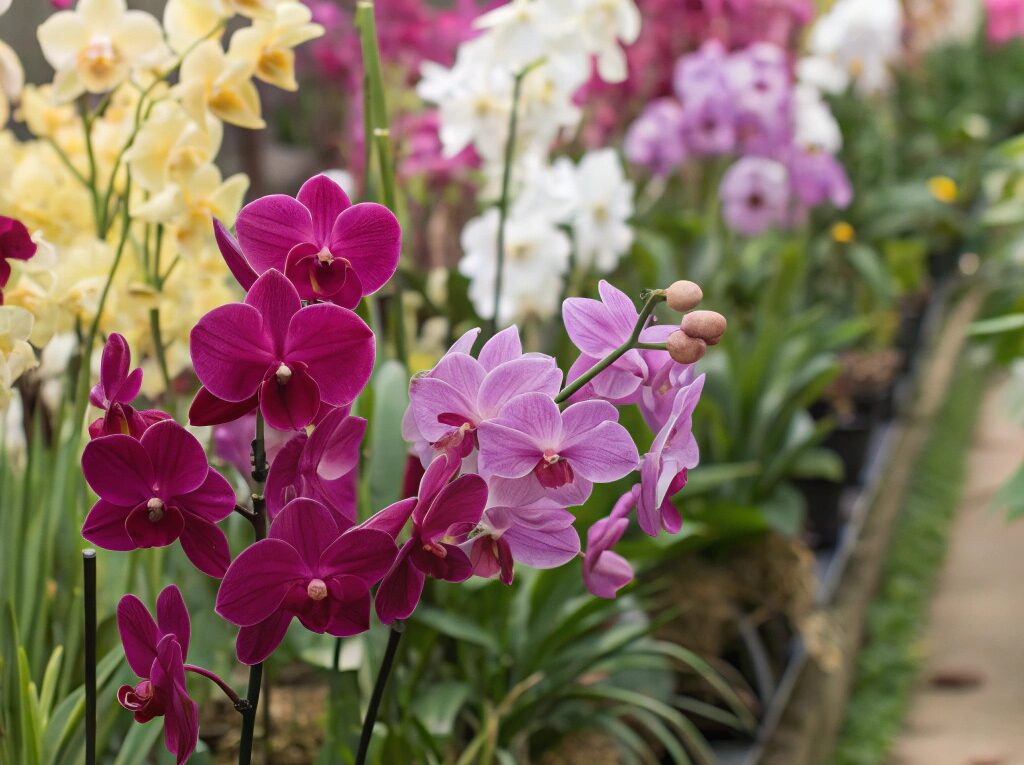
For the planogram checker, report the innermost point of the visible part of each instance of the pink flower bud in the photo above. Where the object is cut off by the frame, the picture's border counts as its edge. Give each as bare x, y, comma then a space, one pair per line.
685, 349
684, 296
708, 326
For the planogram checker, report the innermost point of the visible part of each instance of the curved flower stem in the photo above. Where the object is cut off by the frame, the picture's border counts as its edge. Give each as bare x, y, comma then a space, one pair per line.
655, 297
506, 184
651, 346
216, 680
250, 704
378, 691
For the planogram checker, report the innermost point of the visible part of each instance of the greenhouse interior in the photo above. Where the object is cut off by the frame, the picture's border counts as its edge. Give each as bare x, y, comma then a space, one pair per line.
564, 382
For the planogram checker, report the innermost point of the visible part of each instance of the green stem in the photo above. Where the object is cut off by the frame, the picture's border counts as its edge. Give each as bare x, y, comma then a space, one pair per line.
160, 350
506, 185
394, 636
655, 297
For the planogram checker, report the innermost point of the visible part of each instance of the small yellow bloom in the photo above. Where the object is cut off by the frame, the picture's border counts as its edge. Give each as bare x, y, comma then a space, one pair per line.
16, 355
169, 143
210, 80
267, 44
95, 47
44, 116
12, 80
943, 188
843, 232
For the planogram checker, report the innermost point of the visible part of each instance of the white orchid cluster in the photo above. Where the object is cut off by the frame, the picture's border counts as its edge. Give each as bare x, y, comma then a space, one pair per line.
531, 58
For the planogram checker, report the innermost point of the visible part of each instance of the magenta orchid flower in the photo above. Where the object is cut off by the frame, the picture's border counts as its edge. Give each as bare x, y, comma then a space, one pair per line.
289, 358
329, 248
665, 466
531, 439
155, 490
521, 524
605, 572
322, 466
115, 391
15, 244
444, 511
313, 566
156, 652
448, 403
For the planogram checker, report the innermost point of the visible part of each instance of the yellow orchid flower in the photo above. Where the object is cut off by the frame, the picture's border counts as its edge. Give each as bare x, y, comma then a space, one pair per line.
209, 80
267, 44
12, 80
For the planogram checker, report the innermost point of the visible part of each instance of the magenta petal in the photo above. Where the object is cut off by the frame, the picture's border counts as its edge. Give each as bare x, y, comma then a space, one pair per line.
231, 352
104, 527
315, 280
430, 398
504, 346
458, 567
337, 347
257, 582
368, 236
147, 532
606, 454
207, 409
399, 593
233, 256
333, 448
179, 460
213, 501
269, 227
276, 299
181, 713
139, 634
438, 473
360, 552
392, 519
350, 616
284, 483
206, 546
118, 469
291, 406
256, 643
114, 364
307, 526
460, 502
325, 200
172, 616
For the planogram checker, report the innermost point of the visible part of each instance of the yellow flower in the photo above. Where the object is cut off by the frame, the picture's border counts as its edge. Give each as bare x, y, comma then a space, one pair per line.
95, 47
943, 188
44, 116
12, 80
843, 232
210, 80
267, 44
169, 143
16, 355
189, 21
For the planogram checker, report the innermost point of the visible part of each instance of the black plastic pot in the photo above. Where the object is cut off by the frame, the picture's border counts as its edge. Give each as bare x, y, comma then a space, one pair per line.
824, 519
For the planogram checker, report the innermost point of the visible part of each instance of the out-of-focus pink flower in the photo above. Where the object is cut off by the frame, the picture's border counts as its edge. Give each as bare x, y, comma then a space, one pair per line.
655, 140
1004, 20
422, 154
755, 195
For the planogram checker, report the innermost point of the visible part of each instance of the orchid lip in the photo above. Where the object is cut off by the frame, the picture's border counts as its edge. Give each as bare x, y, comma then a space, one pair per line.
283, 374
316, 589
156, 509
435, 549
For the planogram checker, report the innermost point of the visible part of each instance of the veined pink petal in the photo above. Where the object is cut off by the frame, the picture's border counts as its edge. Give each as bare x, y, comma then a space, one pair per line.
277, 301
462, 372
504, 346
257, 582
284, 482
314, 279
206, 546
609, 574
231, 352
104, 527
513, 378
178, 459
392, 519
139, 634
172, 616
647, 514
118, 469
542, 547
360, 552
578, 420
591, 327
207, 409
368, 236
348, 616
337, 347
465, 343
269, 227
621, 310
325, 200
606, 455
213, 501
292, 405
256, 643
149, 529
233, 256
429, 399
399, 592
505, 451
536, 415
181, 713
309, 527
333, 447
460, 502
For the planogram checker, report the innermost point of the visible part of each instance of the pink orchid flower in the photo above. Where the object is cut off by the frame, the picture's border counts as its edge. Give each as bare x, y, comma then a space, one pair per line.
156, 652
329, 248
442, 513
289, 358
448, 403
605, 572
313, 566
532, 440
15, 244
665, 466
155, 490
116, 390
322, 466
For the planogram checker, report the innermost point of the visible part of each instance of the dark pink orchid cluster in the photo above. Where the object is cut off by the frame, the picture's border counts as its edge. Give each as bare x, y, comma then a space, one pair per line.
503, 450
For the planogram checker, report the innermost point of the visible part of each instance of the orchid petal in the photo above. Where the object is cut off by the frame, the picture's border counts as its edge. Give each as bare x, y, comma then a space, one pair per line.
258, 580
231, 353
309, 527
139, 634
118, 469
368, 236
325, 200
399, 592
255, 643
269, 227
337, 347
206, 546
178, 459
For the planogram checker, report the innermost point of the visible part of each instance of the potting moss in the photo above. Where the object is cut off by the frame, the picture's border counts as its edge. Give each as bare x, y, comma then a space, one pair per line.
892, 655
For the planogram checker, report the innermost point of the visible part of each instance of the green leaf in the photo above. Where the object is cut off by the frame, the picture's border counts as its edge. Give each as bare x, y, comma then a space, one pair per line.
1009, 323
458, 627
439, 705
1011, 496
69, 712
138, 744
387, 452
818, 463
870, 267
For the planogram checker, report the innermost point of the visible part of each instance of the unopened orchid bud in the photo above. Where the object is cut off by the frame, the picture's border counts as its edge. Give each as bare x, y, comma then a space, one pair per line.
708, 326
685, 349
683, 296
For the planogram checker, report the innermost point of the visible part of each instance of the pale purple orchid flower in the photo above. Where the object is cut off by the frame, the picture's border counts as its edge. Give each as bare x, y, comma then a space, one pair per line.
533, 441
155, 490
445, 511
313, 566
521, 524
156, 652
817, 177
655, 140
710, 123
322, 466
755, 195
292, 358
664, 469
448, 403
115, 391
605, 572
760, 80
329, 248
598, 327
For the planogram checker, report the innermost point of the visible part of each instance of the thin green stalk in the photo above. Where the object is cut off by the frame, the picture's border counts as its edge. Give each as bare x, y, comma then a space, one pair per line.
655, 297
158, 346
506, 186
394, 636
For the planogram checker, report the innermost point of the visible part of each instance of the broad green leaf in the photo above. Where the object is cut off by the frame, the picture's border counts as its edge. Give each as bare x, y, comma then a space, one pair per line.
439, 705
387, 452
998, 325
